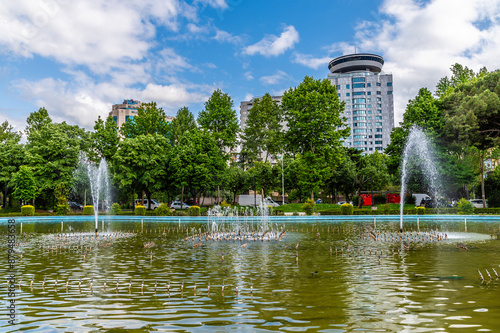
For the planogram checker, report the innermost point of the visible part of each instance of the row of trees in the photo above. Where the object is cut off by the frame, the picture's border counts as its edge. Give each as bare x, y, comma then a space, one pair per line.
193, 157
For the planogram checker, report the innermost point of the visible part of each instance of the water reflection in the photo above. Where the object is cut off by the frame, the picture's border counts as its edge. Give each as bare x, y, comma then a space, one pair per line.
340, 282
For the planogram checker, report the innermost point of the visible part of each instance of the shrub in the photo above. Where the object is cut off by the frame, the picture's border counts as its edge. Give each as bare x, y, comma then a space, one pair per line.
88, 210
465, 207
62, 209
140, 210
195, 210
309, 206
28, 210
179, 212
420, 210
346, 209
223, 204
163, 210
355, 200
379, 199
295, 213
115, 209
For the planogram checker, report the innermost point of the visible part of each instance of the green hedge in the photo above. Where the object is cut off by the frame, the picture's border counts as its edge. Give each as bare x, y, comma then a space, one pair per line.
309, 206
28, 210
346, 209
420, 210
163, 210
62, 209
88, 210
115, 209
194, 211
140, 210
487, 210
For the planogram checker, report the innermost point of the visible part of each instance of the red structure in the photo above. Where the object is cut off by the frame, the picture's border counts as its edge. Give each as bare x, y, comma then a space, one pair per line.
393, 198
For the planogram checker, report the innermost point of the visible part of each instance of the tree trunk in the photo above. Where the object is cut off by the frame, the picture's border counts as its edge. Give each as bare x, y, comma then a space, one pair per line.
483, 196
182, 196
148, 194
5, 198
312, 195
360, 199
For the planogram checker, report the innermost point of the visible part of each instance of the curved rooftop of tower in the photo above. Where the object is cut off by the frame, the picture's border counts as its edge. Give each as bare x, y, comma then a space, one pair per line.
356, 62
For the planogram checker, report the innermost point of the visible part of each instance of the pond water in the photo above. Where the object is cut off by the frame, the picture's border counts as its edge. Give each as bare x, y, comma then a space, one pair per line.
324, 275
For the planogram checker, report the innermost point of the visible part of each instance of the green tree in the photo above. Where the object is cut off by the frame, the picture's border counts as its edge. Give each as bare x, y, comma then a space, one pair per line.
11, 157
150, 119
263, 129
104, 139
195, 161
370, 168
184, 122
25, 188
460, 74
265, 176
472, 113
219, 119
235, 181
37, 120
52, 152
424, 111
342, 178
140, 163
312, 113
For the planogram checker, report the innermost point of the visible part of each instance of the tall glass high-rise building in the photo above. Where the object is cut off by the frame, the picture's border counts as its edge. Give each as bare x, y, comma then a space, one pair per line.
369, 104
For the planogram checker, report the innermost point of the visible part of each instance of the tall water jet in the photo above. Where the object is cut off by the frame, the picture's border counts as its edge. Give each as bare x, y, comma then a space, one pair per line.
418, 153
99, 182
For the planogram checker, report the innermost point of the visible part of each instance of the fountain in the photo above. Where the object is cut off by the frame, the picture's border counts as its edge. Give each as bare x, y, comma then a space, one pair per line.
418, 153
99, 182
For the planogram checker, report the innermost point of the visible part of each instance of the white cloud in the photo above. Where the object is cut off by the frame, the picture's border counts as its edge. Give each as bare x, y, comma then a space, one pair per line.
309, 61
275, 78
272, 45
224, 36
221, 4
83, 102
248, 97
248, 76
420, 41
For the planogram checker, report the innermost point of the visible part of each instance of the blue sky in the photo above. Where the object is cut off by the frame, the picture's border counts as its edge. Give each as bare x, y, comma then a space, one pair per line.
77, 58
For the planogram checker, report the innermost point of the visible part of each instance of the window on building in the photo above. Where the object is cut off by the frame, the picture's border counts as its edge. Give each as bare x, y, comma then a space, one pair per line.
369, 111
369, 118
379, 93
358, 118
389, 92
379, 111
379, 99
358, 85
370, 148
358, 79
338, 94
368, 85
359, 130
359, 112
338, 86
378, 136
378, 142
129, 117
347, 94
369, 93
379, 130
379, 105
389, 84
347, 106
359, 93
115, 119
378, 117
359, 106
347, 86
378, 84
378, 124
379, 148
358, 100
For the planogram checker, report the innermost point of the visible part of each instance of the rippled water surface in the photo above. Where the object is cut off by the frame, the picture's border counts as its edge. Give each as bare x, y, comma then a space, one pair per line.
323, 275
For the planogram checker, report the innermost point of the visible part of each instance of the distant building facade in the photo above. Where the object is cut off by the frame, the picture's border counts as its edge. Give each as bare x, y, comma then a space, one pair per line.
245, 107
128, 110
369, 102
